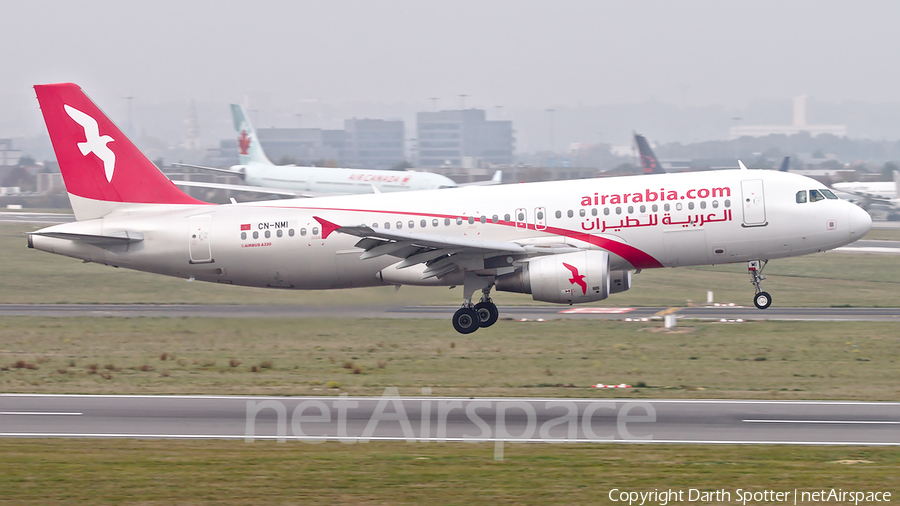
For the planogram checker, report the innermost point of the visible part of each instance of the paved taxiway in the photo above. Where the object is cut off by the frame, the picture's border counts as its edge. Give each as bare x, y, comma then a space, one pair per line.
451, 419
442, 312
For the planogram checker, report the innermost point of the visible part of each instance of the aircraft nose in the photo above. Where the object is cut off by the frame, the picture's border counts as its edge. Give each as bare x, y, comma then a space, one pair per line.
860, 222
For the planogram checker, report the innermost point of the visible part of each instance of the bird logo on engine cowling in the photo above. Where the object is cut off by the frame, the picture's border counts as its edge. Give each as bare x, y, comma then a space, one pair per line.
576, 279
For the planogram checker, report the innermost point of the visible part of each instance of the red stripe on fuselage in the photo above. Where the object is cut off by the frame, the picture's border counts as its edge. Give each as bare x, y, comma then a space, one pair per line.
636, 257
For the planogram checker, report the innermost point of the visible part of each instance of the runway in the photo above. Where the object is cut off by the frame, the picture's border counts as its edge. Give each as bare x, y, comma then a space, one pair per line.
420, 419
535, 312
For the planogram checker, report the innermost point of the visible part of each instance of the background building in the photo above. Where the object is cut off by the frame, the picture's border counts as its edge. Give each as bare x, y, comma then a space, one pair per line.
373, 144
462, 138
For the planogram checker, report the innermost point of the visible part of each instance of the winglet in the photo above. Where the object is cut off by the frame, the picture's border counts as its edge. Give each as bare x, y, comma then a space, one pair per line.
742, 166
498, 177
327, 227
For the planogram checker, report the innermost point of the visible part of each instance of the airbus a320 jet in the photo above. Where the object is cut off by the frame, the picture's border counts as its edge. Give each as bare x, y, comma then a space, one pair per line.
566, 242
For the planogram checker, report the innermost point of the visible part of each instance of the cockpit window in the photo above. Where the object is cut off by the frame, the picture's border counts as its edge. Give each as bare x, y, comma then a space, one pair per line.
801, 197
829, 195
815, 196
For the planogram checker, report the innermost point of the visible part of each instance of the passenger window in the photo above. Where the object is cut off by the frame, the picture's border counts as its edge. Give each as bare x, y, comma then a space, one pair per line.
495, 218
434, 222
471, 220
715, 204
506, 217
255, 234
387, 225
618, 210
605, 211
279, 232
643, 209
302, 231
291, 232
815, 196
690, 205
667, 207
423, 223
483, 219
678, 206
630, 209
411, 224
315, 231
655, 208
703, 204
243, 236
268, 234
727, 202
581, 212
801, 197
459, 221
558, 215
374, 225
446, 222
540, 215
569, 213
594, 212
399, 225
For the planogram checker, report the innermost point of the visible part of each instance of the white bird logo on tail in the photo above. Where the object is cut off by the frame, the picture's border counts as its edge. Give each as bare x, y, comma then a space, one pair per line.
94, 142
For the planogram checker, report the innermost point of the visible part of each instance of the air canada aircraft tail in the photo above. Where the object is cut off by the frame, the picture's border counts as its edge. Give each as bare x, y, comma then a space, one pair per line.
648, 158
249, 149
102, 169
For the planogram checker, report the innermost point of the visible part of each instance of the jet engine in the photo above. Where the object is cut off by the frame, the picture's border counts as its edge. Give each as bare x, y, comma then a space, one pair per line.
619, 281
568, 278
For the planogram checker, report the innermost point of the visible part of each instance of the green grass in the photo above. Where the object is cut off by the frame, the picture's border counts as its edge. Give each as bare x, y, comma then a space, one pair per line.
233, 472
31, 276
283, 356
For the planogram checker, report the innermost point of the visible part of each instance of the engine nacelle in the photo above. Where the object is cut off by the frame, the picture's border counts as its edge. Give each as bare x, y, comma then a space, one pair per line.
568, 278
619, 281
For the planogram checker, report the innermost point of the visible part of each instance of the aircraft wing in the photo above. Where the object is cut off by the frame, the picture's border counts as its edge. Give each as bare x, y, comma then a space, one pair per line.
245, 188
441, 255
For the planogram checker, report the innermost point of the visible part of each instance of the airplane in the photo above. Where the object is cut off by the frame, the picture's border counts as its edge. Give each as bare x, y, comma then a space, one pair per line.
875, 190
566, 242
263, 176
649, 162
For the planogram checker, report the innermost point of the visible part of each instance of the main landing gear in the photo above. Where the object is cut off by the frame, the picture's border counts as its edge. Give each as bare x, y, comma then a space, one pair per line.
470, 317
762, 299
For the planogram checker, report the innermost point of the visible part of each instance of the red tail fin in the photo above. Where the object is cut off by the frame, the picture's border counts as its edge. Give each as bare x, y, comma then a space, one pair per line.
97, 161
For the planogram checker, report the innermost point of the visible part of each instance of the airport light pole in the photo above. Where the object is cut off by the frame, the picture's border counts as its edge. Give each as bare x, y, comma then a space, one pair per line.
552, 143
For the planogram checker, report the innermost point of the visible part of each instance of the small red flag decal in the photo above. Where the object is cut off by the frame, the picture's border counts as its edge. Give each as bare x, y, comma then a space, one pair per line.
245, 227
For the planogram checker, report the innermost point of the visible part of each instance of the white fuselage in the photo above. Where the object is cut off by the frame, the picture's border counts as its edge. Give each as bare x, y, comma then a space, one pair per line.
323, 180
643, 221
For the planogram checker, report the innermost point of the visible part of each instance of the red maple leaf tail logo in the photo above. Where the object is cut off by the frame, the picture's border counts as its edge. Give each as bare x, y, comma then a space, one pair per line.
576, 279
244, 142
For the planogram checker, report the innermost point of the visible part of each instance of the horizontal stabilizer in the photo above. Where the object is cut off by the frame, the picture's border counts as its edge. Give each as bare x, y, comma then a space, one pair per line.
123, 237
213, 169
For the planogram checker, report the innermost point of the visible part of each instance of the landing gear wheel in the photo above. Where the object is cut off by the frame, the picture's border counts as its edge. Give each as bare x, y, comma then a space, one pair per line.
487, 313
762, 300
466, 320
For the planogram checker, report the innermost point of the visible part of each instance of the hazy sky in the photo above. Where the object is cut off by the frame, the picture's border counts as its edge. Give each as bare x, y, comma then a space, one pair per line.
515, 54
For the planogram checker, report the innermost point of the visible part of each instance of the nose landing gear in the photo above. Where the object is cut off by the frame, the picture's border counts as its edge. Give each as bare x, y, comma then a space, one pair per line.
761, 300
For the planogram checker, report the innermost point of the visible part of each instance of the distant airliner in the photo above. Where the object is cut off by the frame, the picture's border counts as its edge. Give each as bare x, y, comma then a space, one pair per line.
265, 177
563, 241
